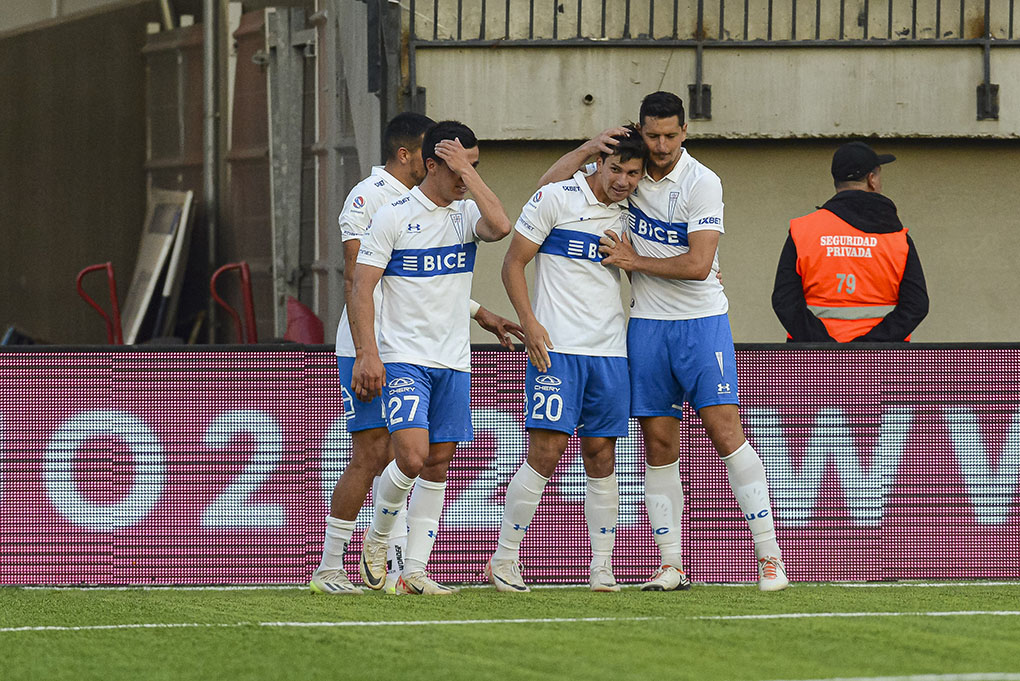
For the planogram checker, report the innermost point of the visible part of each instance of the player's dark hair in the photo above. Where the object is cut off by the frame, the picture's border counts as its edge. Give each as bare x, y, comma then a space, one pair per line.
661, 105
628, 146
404, 130
446, 130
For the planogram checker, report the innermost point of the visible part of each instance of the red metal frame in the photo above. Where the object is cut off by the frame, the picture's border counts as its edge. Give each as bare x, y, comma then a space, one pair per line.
114, 335
246, 333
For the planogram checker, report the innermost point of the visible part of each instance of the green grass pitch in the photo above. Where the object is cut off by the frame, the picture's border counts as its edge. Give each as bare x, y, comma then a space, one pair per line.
712, 633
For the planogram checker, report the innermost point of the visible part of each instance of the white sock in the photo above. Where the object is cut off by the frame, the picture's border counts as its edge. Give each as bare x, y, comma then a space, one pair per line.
747, 478
393, 489
522, 497
338, 534
601, 508
397, 543
423, 523
664, 500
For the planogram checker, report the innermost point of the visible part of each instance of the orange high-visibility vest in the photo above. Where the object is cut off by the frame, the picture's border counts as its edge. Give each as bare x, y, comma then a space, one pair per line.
851, 278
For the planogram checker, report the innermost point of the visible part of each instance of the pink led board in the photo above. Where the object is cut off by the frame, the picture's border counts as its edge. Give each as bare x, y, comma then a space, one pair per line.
199, 467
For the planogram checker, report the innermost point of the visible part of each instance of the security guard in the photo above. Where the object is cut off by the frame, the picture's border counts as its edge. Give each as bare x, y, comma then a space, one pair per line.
849, 271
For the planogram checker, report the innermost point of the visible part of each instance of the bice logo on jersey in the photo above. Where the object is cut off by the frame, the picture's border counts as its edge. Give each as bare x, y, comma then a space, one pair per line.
359, 202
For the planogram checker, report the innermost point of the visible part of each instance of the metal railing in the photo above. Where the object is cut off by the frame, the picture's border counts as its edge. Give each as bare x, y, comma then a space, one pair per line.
611, 22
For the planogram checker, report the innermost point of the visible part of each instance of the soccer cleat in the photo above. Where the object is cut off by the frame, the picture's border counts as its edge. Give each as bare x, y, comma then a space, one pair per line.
505, 575
419, 584
668, 578
772, 574
602, 579
333, 583
373, 562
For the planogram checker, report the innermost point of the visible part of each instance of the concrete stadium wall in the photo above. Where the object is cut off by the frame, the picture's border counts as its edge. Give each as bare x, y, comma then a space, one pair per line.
776, 93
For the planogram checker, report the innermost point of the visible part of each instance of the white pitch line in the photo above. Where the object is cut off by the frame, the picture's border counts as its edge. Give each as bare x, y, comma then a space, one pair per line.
557, 620
398, 623
878, 585
808, 615
931, 677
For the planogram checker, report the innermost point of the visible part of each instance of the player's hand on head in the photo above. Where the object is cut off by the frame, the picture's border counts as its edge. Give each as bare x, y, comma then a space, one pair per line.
368, 378
453, 153
603, 143
617, 250
537, 343
502, 328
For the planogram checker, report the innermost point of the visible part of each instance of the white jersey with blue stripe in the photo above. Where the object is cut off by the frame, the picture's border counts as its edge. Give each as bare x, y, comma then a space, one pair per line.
427, 254
368, 196
576, 299
663, 213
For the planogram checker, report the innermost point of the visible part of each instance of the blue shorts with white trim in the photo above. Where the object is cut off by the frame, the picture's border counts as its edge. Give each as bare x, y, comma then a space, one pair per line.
591, 394
360, 415
678, 360
438, 400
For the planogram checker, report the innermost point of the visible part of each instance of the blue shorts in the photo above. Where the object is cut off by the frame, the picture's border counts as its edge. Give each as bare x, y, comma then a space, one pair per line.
591, 394
360, 415
677, 360
438, 400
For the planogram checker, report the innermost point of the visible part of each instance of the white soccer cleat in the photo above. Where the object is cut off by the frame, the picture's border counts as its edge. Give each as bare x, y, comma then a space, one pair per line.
668, 578
420, 584
602, 579
373, 562
772, 574
333, 583
505, 575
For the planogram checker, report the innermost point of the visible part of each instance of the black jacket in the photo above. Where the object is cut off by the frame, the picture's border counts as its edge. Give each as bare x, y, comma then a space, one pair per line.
869, 212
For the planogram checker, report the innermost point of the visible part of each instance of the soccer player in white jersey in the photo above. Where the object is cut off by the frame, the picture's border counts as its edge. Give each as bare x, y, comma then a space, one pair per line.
420, 249
576, 342
370, 441
679, 341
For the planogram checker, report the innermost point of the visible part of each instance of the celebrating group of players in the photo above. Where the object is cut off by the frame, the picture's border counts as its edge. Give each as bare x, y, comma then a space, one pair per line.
646, 207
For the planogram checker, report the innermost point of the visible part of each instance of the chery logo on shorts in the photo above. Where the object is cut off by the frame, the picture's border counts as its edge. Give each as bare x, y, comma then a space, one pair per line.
402, 382
547, 383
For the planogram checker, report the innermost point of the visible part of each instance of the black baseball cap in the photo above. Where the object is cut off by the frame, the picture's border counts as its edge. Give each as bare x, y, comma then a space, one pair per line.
854, 160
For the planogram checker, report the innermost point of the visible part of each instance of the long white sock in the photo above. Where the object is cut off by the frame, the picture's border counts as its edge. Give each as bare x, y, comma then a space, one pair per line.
397, 543
522, 497
393, 489
747, 478
338, 534
523, 494
423, 523
601, 508
664, 500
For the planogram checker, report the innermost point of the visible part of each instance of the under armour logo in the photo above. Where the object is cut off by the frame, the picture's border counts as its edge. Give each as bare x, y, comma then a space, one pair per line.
387, 511
607, 530
521, 528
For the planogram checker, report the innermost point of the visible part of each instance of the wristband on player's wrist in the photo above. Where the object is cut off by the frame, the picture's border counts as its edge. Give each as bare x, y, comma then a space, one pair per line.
475, 307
